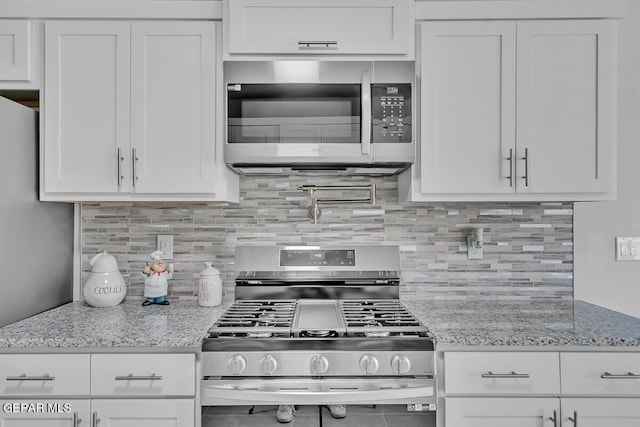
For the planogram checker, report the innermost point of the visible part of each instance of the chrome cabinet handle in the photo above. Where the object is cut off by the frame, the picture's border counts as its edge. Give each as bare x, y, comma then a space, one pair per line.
120, 160
509, 375
554, 418
94, 419
24, 377
365, 99
75, 419
526, 167
574, 420
134, 160
627, 376
510, 158
132, 377
318, 44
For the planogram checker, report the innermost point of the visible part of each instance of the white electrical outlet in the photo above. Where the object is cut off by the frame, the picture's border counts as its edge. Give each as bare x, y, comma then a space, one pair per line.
627, 248
473, 251
165, 244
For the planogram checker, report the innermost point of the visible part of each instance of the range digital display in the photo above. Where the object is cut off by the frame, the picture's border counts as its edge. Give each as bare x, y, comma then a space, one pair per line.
317, 257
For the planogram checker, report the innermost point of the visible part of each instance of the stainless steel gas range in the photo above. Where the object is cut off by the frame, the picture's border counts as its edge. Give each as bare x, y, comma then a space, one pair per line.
319, 326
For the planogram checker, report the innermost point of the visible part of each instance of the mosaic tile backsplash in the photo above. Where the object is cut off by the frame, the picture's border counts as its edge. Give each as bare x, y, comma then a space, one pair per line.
528, 247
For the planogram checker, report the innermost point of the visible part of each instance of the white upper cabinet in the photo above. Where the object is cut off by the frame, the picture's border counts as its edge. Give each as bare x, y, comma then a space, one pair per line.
15, 50
86, 107
130, 112
516, 110
468, 73
566, 106
319, 28
172, 107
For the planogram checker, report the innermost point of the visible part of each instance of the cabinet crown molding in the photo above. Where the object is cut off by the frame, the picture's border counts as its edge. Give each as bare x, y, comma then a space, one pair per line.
515, 9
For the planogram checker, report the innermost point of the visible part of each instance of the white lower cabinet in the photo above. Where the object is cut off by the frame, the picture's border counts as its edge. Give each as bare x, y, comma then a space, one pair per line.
500, 412
98, 390
555, 389
143, 412
600, 412
45, 413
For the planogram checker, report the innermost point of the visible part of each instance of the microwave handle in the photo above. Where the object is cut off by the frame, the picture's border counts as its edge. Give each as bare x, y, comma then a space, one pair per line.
365, 124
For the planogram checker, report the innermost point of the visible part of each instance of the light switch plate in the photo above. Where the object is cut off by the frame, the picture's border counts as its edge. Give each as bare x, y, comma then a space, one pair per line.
627, 248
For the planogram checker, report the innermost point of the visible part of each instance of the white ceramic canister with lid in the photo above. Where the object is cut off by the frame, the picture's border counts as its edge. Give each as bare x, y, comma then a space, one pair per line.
106, 286
210, 287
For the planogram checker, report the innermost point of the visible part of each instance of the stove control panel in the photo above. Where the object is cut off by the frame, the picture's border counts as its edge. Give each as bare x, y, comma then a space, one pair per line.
314, 363
317, 257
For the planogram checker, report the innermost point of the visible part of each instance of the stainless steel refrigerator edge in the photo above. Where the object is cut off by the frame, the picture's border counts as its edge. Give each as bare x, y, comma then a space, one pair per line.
37, 237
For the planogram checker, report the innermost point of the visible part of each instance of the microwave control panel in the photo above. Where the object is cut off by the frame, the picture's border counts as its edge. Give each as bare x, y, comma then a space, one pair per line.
391, 112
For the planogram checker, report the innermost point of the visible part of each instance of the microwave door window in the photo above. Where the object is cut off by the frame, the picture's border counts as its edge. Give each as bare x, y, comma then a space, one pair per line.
294, 113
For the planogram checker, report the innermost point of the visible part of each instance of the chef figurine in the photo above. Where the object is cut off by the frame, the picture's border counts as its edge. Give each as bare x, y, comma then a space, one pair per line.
156, 280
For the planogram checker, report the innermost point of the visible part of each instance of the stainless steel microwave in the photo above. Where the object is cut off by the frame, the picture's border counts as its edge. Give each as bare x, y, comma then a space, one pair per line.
309, 117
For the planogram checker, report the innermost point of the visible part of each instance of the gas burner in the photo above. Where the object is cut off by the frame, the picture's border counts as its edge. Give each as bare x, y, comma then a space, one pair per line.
256, 319
259, 334
377, 334
318, 334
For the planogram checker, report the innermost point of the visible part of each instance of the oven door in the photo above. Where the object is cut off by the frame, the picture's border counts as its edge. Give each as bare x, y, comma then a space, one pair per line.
389, 401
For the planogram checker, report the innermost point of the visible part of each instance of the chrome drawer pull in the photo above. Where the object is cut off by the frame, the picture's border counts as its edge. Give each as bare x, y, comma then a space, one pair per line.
509, 375
318, 44
627, 376
24, 377
132, 377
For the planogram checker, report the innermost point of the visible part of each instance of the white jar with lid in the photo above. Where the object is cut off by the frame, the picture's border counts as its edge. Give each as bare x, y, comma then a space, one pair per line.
106, 286
210, 287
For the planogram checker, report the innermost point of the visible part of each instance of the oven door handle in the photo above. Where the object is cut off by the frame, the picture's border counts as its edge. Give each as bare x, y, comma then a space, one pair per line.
221, 394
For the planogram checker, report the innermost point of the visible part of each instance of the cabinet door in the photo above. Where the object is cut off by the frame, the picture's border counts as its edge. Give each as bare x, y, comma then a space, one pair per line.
173, 114
86, 106
40, 375
15, 50
566, 106
319, 27
500, 412
607, 412
610, 374
144, 413
506, 373
468, 107
44, 413
143, 375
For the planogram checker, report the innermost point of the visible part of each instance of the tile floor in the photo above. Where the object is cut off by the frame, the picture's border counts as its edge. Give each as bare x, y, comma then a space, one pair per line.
317, 416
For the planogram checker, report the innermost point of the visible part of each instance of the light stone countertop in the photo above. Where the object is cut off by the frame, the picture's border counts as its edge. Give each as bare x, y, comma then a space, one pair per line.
182, 325
553, 324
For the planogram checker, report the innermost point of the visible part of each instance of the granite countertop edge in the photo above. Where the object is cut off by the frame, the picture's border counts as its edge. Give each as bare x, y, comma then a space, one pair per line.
464, 325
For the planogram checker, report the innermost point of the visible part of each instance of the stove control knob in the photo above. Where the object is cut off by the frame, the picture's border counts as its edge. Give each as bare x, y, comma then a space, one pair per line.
268, 364
369, 364
237, 363
400, 364
319, 365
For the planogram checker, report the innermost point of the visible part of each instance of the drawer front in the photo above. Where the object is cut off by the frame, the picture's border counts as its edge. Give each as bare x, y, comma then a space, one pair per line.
44, 375
600, 373
143, 374
501, 373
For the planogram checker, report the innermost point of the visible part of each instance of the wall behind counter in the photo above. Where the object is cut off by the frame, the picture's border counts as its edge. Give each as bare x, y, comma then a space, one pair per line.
528, 251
